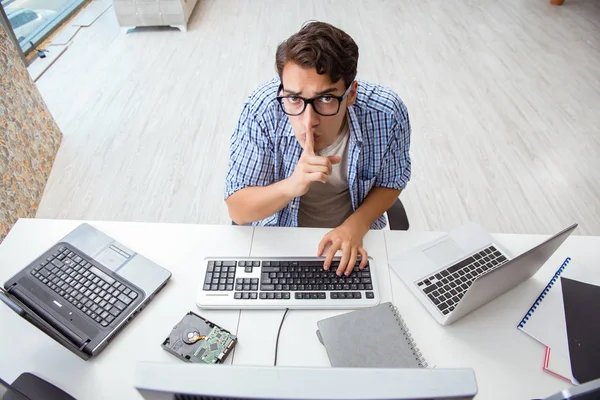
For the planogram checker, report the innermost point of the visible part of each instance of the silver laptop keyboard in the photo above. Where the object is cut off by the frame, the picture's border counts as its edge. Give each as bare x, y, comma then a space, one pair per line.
445, 288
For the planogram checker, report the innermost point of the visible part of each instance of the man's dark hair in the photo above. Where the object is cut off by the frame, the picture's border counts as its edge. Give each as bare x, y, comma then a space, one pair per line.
321, 46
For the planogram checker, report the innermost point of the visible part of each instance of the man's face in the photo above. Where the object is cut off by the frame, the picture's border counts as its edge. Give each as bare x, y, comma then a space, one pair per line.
308, 84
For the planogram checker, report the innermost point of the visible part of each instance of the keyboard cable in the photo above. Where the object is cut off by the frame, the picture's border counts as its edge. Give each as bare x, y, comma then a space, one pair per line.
278, 332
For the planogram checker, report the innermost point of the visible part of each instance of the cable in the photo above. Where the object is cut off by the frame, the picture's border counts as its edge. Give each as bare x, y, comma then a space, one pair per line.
278, 332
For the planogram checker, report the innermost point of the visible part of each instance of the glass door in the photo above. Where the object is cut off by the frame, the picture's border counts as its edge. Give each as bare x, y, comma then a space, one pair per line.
33, 20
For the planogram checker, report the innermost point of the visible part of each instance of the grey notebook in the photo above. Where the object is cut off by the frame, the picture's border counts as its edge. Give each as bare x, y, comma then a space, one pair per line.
374, 337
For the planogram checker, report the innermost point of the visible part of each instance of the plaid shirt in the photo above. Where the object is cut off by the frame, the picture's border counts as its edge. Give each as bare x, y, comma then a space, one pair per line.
264, 150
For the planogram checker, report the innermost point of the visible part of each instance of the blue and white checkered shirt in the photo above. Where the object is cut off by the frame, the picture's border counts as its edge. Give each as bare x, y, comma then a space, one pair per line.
264, 150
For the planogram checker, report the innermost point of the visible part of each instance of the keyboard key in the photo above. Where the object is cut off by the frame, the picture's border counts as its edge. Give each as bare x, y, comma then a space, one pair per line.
429, 289
124, 299
237, 295
253, 295
267, 287
263, 295
246, 296
370, 295
298, 295
286, 296
114, 311
460, 264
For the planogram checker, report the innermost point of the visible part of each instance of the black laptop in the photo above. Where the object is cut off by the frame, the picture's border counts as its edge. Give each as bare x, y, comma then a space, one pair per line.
83, 290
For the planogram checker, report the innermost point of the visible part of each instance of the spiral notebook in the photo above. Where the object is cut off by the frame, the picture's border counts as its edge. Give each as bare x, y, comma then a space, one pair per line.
374, 337
546, 324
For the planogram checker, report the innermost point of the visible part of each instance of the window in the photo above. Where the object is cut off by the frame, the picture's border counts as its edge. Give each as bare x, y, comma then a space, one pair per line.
33, 20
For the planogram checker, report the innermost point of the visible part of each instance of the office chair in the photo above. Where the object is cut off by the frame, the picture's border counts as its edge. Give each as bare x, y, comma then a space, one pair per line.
397, 217
396, 214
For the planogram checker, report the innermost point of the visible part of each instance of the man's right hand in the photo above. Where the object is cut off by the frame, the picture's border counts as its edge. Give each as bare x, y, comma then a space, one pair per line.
310, 168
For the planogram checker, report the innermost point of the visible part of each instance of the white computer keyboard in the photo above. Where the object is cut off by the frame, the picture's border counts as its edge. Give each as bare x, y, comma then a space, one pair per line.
284, 282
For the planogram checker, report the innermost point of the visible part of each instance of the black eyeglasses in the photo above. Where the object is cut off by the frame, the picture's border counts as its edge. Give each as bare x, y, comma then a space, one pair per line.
325, 105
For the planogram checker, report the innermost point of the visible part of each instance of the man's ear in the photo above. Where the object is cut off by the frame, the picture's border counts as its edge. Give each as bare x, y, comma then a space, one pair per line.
352, 94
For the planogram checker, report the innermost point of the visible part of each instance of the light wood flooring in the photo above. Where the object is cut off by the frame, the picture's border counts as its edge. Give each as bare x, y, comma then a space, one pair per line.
503, 96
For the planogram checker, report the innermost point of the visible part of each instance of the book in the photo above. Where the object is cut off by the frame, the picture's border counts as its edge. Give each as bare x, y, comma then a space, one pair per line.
582, 310
557, 366
545, 320
374, 337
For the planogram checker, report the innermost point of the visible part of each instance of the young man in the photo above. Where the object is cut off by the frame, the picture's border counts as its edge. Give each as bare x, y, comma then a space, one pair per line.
316, 148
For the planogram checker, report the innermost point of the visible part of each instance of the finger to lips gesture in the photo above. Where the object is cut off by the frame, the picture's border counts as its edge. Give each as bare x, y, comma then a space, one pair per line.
312, 168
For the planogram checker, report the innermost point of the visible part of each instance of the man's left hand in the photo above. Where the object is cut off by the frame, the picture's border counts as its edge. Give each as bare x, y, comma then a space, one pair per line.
347, 238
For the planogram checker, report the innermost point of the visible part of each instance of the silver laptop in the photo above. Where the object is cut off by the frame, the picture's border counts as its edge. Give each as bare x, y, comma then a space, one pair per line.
467, 268
84, 289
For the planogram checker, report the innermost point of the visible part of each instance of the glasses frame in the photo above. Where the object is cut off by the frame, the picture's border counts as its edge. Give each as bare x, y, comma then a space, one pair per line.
307, 101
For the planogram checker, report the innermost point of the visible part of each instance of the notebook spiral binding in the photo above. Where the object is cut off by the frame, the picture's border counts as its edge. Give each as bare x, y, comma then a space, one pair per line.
413, 345
537, 301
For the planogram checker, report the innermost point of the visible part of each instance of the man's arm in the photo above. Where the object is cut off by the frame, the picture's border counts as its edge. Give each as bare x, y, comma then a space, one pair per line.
378, 201
255, 203
259, 202
391, 180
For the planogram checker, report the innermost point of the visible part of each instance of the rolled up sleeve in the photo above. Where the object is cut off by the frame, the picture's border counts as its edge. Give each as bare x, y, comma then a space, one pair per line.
250, 154
396, 164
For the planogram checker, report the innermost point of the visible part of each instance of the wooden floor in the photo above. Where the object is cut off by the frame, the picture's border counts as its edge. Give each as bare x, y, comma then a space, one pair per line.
503, 96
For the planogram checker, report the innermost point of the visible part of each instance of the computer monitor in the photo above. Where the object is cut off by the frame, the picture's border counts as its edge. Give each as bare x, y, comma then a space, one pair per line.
7, 392
156, 381
28, 386
586, 391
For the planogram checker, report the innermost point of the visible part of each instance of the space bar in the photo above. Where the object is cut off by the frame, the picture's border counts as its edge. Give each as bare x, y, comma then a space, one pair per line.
102, 275
461, 264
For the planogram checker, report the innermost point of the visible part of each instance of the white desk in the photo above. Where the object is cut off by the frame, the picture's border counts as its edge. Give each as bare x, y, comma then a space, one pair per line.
507, 362
177, 247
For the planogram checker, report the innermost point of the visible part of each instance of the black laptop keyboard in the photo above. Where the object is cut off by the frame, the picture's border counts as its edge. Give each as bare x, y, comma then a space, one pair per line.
98, 295
285, 280
447, 287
